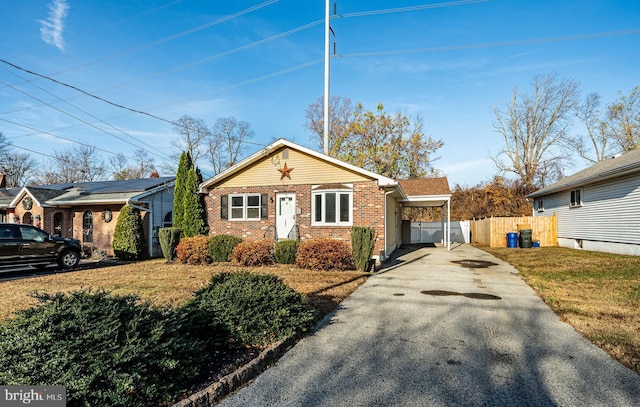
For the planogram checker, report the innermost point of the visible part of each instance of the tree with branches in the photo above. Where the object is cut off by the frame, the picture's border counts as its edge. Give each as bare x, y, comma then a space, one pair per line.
535, 127
227, 141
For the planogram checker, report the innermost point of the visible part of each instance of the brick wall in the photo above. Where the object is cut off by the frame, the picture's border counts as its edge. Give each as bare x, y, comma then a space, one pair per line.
368, 210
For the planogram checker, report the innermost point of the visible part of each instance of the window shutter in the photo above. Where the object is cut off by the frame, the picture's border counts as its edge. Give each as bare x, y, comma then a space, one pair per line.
224, 210
263, 206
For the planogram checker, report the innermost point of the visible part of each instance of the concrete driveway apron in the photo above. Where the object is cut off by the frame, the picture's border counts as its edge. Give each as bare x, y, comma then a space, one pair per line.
477, 337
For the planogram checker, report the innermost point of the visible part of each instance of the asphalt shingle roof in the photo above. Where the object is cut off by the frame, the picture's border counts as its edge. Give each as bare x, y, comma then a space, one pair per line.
425, 186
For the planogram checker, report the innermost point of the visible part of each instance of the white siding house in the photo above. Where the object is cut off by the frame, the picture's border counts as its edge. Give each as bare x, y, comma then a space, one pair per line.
597, 208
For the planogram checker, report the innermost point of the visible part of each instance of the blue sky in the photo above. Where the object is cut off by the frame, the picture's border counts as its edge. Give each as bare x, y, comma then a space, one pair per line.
251, 60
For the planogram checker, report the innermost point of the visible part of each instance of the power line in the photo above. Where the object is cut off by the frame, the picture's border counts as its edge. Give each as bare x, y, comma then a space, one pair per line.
491, 44
410, 8
160, 155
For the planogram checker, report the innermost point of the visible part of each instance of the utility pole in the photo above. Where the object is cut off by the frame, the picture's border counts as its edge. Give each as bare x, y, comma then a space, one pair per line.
327, 56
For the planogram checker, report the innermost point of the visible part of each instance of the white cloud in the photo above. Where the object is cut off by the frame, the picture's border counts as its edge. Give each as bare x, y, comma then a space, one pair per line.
52, 29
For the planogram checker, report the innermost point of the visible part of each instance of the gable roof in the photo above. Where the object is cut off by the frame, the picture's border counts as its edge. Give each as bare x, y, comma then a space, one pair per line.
86, 193
628, 163
280, 143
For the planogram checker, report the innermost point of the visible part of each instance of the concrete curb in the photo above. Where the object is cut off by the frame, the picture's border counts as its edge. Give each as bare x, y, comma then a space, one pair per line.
233, 381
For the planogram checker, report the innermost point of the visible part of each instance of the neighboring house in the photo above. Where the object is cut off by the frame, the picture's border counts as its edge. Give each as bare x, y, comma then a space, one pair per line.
286, 191
88, 211
597, 208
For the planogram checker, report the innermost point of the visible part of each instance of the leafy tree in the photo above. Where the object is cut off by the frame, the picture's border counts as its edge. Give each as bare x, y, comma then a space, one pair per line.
499, 197
128, 237
194, 222
535, 129
179, 189
386, 144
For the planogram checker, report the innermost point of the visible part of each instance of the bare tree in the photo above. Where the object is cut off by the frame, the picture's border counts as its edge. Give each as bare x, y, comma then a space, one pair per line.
624, 121
75, 164
535, 130
595, 145
192, 135
227, 142
18, 168
143, 167
341, 113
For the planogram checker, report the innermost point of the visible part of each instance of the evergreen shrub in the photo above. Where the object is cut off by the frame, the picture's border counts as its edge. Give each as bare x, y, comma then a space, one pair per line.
169, 239
285, 251
255, 309
109, 350
221, 246
363, 240
128, 236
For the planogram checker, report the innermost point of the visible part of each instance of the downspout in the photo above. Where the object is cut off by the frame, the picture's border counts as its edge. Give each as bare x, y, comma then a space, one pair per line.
449, 223
140, 208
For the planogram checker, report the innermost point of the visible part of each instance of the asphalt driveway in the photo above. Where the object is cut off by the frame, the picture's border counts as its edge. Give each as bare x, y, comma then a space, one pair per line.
431, 332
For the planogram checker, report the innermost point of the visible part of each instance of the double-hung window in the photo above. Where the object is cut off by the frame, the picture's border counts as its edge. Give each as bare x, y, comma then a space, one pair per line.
576, 198
540, 204
332, 206
244, 207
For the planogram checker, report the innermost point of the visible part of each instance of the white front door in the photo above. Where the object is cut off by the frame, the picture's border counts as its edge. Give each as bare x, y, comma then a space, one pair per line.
285, 215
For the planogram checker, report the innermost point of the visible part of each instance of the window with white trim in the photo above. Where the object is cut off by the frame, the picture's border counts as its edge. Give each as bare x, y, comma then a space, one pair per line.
244, 207
576, 198
332, 207
540, 205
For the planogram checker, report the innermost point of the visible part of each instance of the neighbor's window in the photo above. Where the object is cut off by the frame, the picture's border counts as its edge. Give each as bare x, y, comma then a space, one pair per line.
540, 205
167, 222
576, 199
87, 227
332, 207
245, 207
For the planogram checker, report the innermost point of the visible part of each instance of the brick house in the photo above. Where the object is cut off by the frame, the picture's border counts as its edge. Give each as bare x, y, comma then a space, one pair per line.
287, 191
88, 211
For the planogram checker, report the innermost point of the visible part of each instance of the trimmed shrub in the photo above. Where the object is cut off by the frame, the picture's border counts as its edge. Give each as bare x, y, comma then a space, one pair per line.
324, 254
109, 350
128, 236
193, 250
253, 253
285, 251
221, 247
169, 239
363, 239
255, 309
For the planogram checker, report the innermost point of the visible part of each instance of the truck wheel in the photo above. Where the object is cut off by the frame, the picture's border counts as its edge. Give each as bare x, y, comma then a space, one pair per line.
68, 259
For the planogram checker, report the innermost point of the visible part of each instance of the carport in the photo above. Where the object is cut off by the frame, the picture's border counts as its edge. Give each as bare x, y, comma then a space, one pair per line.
427, 193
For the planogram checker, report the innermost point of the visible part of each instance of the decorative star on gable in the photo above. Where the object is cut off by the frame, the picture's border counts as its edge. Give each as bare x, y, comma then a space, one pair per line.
285, 172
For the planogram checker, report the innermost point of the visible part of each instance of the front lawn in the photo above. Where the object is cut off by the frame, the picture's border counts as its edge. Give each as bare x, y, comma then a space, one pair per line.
597, 293
173, 284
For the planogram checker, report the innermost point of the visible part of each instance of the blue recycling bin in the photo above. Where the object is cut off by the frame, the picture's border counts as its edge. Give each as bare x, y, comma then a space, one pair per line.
512, 240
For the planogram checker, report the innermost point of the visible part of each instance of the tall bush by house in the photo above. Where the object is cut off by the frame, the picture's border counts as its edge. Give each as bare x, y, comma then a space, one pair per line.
363, 240
128, 237
285, 251
221, 246
108, 350
169, 239
184, 165
194, 217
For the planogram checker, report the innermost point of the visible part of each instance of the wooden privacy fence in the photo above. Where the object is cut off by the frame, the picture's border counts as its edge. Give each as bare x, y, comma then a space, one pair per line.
492, 232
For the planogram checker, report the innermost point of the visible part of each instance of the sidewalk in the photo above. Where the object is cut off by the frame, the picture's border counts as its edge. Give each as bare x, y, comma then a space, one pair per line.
430, 332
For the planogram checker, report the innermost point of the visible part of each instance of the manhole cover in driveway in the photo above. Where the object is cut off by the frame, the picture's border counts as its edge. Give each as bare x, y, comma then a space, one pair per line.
476, 296
475, 263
